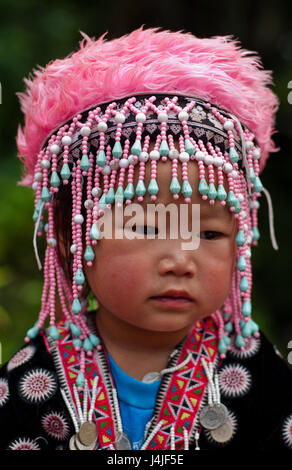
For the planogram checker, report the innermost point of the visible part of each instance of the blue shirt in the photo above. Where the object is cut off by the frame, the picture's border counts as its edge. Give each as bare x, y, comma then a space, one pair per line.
136, 400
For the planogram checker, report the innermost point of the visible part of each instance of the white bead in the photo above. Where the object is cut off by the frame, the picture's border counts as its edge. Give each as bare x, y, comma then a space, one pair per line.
199, 156
240, 197
106, 170
66, 140
256, 154
162, 117
154, 155
228, 125
234, 174
140, 117
120, 118
78, 219
45, 164
249, 238
217, 161
54, 148
96, 192
124, 163
249, 144
254, 204
52, 242
85, 131
243, 214
73, 248
102, 126
174, 153
245, 227
248, 253
227, 167
114, 164
46, 227
88, 204
208, 159
184, 157
38, 176
183, 116
133, 160
35, 185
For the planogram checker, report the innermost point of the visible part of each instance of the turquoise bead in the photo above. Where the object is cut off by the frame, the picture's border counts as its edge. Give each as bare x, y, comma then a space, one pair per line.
239, 341
203, 187
164, 149
89, 253
246, 308
46, 195
94, 340
136, 149
254, 327
174, 186
117, 150
94, 232
65, 172
153, 186
110, 196
76, 331
129, 191
84, 164
258, 187
226, 340
101, 159
251, 174
237, 207
189, 148
256, 233
222, 347
76, 306
212, 193
55, 180
228, 327
77, 343
80, 381
231, 199
32, 332
102, 201
87, 345
140, 188
186, 189
246, 329
79, 277
54, 333
240, 238
233, 155
221, 193
243, 286
241, 263
119, 197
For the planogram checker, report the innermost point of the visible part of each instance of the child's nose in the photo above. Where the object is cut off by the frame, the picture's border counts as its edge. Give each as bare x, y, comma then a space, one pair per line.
177, 261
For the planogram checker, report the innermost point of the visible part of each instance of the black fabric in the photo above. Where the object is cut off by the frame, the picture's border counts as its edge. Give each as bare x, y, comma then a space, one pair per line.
260, 414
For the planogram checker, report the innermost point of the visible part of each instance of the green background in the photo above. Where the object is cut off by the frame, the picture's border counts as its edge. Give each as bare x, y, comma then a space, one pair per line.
34, 33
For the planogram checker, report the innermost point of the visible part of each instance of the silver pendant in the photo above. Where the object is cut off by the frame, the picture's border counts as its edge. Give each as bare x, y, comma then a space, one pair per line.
223, 433
72, 445
87, 434
151, 377
213, 416
80, 446
122, 442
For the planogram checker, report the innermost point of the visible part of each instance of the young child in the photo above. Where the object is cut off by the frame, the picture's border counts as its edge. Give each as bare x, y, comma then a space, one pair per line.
169, 358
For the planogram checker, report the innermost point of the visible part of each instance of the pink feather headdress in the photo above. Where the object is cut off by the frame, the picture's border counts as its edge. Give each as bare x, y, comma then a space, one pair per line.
149, 60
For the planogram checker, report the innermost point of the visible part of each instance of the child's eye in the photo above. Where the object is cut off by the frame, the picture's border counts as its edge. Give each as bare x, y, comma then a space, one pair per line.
210, 234
146, 229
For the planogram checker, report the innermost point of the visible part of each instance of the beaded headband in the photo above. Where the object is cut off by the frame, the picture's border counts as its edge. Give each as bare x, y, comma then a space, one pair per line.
102, 145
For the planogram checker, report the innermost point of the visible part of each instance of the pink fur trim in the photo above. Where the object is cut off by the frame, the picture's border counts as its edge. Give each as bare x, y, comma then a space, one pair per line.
147, 60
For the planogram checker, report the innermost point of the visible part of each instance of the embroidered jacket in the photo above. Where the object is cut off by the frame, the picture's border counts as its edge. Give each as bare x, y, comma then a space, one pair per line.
255, 386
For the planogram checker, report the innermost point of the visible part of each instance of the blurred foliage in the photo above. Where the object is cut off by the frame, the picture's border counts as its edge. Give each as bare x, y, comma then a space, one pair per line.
34, 33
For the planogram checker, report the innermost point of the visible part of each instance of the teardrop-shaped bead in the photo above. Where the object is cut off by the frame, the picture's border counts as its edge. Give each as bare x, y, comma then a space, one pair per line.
76, 306
32, 332
231, 199
233, 155
80, 381
110, 196
186, 189
119, 197
46, 195
89, 253
237, 206
241, 263
246, 329
87, 346
164, 149
256, 233
239, 341
140, 188
77, 343
190, 149
94, 232
228, 327
222, 347
117, 150
174, 185
243, 285
101, 159
95, 341
65, 172
203, 187
76, 331
55, 180
79, 277
251, 174
129, 191
153, 186
84, 164
54, 333
102, 202
246, 308
258, 187
221, 193
240, 238
136, 148
212, 193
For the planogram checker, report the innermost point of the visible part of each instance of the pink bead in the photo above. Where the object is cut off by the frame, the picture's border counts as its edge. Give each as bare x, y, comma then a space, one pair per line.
205, 197
164, 158
223, 203
140, 198
211, 202
176, 196
26, 339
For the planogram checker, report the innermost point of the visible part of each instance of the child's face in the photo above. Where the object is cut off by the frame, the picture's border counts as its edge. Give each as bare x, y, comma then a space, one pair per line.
127, 273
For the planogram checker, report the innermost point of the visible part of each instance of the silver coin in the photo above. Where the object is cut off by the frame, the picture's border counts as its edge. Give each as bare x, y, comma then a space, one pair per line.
223, 433
122, 442
213, 416
72, 445
80, 446
87, 434
151, 377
